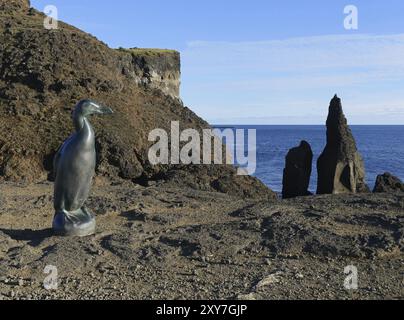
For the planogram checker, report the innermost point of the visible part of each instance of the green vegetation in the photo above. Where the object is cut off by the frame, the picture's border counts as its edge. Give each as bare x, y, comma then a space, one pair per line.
147, 51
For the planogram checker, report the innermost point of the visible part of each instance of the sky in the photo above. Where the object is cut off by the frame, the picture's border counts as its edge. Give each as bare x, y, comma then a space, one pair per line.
264, 61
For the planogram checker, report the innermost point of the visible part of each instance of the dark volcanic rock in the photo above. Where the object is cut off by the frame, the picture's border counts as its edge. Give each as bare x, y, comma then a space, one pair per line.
388, 183
340, 167
220, 178
296, 175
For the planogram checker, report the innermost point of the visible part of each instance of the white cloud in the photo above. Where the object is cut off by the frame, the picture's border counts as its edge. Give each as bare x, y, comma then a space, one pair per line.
308, 53
223, 79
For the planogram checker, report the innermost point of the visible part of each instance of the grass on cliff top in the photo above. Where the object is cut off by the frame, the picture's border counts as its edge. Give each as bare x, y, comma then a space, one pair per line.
147, 51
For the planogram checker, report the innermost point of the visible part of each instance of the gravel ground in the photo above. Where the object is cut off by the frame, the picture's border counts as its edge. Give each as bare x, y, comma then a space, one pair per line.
161, 242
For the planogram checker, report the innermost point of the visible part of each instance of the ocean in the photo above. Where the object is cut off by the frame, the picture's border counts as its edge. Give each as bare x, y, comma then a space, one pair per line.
382, 149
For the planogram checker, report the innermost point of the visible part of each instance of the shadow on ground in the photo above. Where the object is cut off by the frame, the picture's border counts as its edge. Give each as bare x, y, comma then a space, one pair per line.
34, 237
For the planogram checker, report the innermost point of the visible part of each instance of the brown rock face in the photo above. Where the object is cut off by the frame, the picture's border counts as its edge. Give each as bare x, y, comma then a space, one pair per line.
14, 5
388, 183
340, 167
44, 73
296, 175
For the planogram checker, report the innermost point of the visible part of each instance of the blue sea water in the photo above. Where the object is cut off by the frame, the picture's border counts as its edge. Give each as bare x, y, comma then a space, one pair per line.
382, 149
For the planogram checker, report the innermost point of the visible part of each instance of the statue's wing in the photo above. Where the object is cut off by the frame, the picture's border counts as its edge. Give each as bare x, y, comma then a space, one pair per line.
57, 156
56, 161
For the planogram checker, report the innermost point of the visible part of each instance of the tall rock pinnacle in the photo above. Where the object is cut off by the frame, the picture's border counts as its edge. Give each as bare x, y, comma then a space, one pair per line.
340, 167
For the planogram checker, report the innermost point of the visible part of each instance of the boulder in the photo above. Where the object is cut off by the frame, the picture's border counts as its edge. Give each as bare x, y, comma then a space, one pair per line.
340, 167
296, 175
388, 183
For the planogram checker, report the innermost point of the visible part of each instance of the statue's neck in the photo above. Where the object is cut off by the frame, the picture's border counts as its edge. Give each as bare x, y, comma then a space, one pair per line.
82, 124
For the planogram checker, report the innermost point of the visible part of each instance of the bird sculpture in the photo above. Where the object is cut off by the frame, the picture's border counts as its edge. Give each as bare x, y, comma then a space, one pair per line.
74, 168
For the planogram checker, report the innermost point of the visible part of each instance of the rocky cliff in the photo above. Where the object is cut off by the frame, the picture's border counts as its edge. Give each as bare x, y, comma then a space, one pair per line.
154, 68
43, 73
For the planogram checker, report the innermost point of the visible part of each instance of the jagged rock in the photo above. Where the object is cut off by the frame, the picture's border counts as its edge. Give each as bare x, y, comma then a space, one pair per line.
296, 175
340, 167
388, 183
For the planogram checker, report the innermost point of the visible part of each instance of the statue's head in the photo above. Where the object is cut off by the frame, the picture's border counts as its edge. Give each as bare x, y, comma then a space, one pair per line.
88, 107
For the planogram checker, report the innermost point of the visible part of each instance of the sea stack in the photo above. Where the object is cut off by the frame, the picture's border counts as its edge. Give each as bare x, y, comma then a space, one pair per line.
388, 183
340, 167
296, 175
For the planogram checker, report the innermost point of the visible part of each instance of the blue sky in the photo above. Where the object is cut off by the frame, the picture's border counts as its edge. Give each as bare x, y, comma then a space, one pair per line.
265, 62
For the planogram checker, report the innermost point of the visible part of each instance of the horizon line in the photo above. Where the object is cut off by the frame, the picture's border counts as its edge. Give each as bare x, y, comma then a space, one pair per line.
302, 125
285, 124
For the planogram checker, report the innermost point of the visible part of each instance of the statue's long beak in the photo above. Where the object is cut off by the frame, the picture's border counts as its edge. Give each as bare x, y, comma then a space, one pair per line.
105, 110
